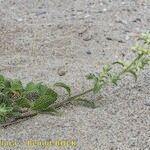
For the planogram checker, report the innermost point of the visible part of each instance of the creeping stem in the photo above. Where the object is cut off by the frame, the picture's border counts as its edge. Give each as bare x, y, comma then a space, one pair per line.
68, 100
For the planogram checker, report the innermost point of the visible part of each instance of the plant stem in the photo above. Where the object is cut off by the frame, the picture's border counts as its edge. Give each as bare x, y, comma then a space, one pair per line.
68, 100
123, 71
19, 119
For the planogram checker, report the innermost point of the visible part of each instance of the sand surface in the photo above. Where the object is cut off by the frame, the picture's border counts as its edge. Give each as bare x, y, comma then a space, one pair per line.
42, 39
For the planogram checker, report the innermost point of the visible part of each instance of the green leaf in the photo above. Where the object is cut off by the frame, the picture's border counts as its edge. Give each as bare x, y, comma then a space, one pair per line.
97, 86
5, 112
23, 102
90, 76
32, 87
146, 38
107, 68
114, 79
7, 83
3, 98
119, 62
133, 73
43, 102
85, 103
43, 89
51, 92
2, 79
145, 61
66, 87
39, 89
2, 86
16, 85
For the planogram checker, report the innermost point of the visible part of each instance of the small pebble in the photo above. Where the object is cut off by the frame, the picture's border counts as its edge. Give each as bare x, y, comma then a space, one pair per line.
147, 102
100, 11
119, 20
40, 13
87, 16
61, 71
88, 38
137, 20
127, 37
88, 52
109, 38
60, 26
121, 41
104, 10
19, 19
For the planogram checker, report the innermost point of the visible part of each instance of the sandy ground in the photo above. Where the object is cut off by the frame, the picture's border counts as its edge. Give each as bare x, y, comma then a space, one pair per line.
41, 39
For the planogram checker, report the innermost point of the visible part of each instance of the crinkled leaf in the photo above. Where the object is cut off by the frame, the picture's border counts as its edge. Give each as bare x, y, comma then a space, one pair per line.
7, 83
145, 61
146, 38
3, 98
23, 102
40, 89
44, 102
107, 68
51, 92
63, 85
43, 89
32, 87
16, 85
2, 79
90, 76
114, 79
97, 86
2, 86
32, 96
5, 112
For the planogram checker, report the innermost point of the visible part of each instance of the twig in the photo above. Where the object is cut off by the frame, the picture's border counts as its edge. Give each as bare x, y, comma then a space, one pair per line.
60, 104
19, 119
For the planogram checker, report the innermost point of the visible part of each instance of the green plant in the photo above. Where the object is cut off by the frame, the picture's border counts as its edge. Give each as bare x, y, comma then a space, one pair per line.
39, 98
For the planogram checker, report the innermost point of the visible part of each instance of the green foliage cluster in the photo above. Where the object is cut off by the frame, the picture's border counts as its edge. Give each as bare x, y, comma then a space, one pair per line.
13, 97
38, 97
107, 76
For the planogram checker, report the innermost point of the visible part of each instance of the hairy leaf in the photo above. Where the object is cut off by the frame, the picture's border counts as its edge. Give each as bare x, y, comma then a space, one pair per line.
7, 83
5, 112
3, 98
97, 86
43, 102
42, 89
16, 85
23, 102
66, 87
107, 68
32, 87
90, 76
2, 79
51, 92
146, 38
114, 79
